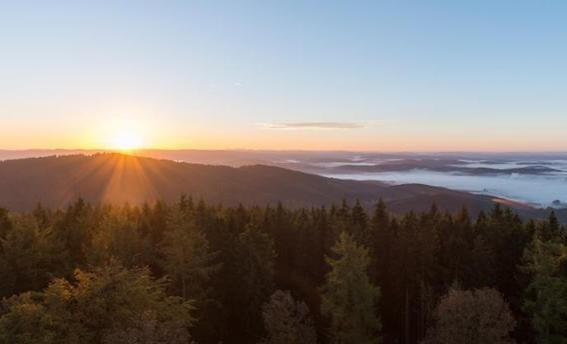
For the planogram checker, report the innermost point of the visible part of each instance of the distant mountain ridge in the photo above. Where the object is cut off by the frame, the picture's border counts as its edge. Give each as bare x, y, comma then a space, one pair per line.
114, 178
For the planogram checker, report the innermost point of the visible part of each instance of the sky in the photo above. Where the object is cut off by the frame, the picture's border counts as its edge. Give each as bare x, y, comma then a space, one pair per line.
312, 75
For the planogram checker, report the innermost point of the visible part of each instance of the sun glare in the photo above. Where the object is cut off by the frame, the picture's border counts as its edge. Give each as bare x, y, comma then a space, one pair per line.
127, 141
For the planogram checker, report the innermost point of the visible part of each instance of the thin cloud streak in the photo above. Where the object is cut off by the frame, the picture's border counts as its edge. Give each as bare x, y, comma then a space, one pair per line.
316, 125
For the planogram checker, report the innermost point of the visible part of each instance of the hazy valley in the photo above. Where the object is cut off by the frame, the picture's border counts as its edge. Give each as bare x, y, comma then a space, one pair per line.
317, 179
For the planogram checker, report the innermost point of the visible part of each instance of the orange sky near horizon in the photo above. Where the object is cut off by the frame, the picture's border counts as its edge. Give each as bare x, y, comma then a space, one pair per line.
115, 133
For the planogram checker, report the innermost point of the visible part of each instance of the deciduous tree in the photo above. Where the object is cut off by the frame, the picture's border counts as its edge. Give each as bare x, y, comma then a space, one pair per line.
287, 321
479, 316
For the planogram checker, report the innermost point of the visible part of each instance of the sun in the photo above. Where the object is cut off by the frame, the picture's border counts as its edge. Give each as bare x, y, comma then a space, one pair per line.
123, 133
127, 141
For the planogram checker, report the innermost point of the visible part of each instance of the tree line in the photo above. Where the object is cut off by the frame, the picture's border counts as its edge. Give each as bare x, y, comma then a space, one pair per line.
195, 272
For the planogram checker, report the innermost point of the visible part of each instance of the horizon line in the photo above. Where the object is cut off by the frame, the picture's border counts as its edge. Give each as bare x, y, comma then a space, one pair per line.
111, 150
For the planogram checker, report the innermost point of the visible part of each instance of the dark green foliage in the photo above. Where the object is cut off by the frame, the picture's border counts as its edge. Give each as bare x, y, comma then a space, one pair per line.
230, 260
348, 297
188, 259
255, 268
287, 321
546, 295
31, 257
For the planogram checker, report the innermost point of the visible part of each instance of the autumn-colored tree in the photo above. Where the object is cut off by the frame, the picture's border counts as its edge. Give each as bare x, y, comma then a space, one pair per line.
108, 305
478, 316
287, 321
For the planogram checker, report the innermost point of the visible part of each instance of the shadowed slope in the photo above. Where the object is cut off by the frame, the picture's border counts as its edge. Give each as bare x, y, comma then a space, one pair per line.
115, 178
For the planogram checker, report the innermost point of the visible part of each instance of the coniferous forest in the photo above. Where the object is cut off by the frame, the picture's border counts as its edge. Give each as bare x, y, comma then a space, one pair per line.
283, 172
194, 272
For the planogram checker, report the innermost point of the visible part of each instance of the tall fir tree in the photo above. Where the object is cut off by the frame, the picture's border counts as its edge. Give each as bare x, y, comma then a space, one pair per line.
348, 297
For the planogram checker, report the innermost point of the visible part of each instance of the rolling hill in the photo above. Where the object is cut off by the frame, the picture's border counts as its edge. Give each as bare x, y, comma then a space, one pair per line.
114, 178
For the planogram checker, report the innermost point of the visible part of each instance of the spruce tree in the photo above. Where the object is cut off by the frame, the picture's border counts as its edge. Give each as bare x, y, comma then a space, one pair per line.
546, 294
348, 297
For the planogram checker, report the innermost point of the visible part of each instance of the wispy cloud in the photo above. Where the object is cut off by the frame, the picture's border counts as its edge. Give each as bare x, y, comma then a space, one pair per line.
316, 125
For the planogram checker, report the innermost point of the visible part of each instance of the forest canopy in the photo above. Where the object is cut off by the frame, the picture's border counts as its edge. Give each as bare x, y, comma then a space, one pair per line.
193, 272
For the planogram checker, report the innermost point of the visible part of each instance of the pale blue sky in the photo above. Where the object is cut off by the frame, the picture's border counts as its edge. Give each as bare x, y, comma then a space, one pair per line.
360, 75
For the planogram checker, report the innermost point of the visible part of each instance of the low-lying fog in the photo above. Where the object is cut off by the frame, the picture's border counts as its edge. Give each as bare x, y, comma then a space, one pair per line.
548, 188
536, 178
534, 189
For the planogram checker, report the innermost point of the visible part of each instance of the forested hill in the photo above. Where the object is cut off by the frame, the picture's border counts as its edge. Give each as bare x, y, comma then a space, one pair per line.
174, 273
115, 178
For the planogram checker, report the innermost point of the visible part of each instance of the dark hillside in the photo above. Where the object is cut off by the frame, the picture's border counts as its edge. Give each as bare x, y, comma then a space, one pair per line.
114, 178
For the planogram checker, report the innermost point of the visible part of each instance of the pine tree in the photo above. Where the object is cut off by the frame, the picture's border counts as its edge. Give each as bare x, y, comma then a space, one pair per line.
348, 297
382, 248
546, 294
359, 225
29, 257
254, 265
188, 259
